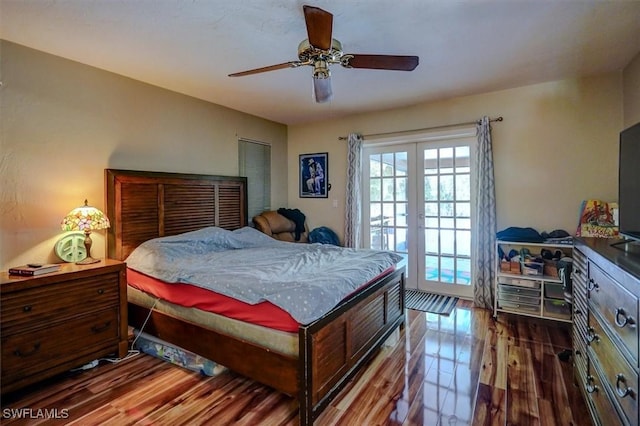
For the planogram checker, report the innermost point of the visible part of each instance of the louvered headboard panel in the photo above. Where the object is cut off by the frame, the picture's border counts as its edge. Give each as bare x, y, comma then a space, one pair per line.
144, 205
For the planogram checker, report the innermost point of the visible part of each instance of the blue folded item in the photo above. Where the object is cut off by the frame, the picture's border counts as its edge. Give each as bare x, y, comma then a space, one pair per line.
523, 235
558, 233
324, 235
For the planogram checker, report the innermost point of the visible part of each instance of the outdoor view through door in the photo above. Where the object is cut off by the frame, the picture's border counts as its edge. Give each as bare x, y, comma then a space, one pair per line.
418, 201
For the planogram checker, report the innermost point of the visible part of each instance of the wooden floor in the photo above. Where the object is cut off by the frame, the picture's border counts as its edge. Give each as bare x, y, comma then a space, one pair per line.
463, 369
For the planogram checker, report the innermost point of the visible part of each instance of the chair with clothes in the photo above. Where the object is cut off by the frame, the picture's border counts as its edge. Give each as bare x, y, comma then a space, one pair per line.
283, 224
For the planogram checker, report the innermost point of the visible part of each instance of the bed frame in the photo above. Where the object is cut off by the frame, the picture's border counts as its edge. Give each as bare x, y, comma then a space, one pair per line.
144, 205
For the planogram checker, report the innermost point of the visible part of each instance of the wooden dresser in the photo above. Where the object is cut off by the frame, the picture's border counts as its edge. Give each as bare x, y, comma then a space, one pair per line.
606, 287
54, 322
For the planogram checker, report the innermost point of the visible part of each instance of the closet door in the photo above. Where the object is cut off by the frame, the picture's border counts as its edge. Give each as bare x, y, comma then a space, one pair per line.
254, 162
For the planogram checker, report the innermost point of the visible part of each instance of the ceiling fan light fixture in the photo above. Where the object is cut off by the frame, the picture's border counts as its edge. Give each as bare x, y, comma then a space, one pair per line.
321, 69
322, 89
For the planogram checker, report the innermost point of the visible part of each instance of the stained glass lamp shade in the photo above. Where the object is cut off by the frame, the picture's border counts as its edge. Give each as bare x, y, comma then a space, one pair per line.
86, 219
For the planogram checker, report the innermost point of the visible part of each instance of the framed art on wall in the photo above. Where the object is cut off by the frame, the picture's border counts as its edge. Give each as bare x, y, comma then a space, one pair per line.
314, 175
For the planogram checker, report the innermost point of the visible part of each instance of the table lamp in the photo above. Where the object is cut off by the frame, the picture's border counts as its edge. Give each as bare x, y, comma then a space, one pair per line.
85, 218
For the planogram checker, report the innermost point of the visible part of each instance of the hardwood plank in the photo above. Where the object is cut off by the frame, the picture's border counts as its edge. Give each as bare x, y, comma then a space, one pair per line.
493, 366
521, 393
491, 406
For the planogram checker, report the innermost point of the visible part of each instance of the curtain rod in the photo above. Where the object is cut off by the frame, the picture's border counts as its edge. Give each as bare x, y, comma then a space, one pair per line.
344, 138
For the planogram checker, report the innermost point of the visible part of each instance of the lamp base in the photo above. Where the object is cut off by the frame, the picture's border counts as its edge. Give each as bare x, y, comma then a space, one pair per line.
88, 261
87, 245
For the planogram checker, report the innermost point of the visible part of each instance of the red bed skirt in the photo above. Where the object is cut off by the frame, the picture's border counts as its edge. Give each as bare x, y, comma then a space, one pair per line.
265, 313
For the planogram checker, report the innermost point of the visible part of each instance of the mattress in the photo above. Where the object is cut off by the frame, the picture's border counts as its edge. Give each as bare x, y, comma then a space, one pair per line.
278, 341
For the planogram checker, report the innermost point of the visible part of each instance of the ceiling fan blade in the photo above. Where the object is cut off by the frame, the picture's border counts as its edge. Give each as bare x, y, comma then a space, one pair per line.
322, 89
319, 26
290, 64
381, 62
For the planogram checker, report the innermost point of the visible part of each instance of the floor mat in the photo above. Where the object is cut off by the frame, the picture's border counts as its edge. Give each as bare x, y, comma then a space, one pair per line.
429, 302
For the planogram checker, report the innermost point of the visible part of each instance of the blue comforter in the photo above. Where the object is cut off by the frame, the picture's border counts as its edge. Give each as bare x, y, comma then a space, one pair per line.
305, 280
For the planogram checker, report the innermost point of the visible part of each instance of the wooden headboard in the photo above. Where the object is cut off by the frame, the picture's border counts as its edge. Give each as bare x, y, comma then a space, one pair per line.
144, 205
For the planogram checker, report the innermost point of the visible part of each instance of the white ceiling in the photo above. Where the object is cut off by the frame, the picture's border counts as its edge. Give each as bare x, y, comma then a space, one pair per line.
465, 47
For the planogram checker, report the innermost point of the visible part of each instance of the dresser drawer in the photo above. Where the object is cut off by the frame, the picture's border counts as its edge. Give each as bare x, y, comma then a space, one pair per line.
598, 397
617, 374
29, 353
617, 307
22, 310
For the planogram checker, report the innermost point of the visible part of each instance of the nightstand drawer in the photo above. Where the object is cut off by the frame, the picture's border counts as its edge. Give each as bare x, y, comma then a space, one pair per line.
28, 354
22, 310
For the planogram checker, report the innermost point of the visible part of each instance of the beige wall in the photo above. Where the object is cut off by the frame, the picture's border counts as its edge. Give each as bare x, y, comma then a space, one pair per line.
557, 145
631, 90
63, 123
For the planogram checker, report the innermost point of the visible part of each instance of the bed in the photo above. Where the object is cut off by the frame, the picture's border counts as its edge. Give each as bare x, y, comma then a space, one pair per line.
312, 364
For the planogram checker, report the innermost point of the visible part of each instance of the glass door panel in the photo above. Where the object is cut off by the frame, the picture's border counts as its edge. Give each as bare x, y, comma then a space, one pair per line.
388, 203
444, 252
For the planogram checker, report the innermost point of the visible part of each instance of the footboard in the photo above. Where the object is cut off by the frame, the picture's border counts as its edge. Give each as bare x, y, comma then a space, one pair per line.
334, 347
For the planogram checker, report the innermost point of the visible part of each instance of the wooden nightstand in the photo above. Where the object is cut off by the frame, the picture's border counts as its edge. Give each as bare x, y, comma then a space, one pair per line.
54, 322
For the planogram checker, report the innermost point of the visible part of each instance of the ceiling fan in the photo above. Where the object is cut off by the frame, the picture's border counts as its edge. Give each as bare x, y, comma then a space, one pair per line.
320, 51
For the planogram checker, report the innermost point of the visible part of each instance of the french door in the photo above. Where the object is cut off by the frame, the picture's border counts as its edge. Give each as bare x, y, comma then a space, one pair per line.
417, 201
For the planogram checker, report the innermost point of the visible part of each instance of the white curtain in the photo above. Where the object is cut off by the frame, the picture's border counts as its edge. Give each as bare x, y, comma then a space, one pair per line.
353, 207
483, 247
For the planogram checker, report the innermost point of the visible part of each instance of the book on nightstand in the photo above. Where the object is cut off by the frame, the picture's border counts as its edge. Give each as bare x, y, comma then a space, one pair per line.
34, 269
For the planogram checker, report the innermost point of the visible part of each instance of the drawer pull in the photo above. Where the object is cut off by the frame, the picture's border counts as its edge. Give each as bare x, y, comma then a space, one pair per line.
26, 308
21, 354
591, 335
620, 313
100, 291
591, 388
592, 285
99, 329
623, 392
